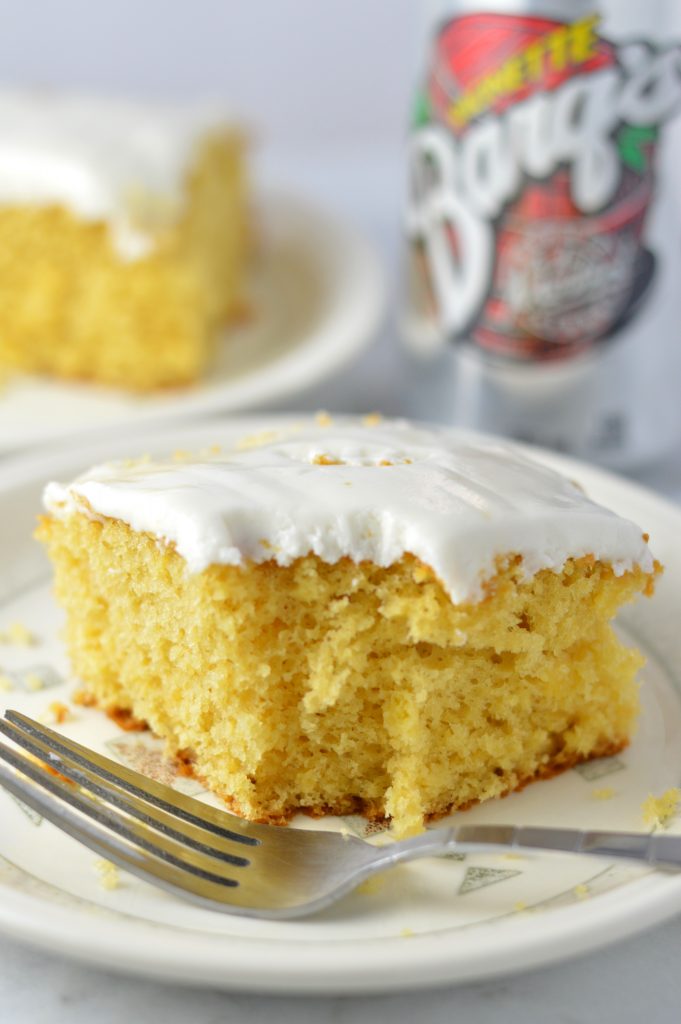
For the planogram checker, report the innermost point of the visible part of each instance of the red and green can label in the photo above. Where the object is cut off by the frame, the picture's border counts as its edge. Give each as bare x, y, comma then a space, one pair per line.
532, 173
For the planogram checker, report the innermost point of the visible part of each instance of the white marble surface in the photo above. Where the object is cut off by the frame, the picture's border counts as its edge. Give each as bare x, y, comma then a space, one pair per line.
626, 984
638, 980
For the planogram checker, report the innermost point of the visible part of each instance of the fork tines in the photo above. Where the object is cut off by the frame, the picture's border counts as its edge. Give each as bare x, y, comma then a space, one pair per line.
167, 837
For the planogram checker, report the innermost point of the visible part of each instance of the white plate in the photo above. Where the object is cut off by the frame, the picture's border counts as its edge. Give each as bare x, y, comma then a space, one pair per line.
318, 295
438, 921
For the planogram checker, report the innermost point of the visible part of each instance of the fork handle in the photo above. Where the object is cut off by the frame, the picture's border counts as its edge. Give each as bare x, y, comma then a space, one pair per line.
657, 848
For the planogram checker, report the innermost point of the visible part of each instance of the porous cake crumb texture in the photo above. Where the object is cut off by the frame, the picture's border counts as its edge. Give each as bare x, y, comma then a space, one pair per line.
345, 687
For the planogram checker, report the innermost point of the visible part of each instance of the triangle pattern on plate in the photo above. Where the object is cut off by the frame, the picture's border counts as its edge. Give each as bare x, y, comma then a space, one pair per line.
480, 878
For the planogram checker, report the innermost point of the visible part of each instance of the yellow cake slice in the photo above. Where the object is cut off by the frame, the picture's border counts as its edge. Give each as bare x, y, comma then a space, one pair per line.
123, 238
381, 619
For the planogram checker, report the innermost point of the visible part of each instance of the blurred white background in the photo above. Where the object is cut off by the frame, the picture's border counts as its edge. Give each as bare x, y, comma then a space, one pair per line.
321, 73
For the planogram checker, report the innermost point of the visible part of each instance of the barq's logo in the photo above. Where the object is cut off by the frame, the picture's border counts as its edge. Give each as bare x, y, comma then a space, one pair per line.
465, 172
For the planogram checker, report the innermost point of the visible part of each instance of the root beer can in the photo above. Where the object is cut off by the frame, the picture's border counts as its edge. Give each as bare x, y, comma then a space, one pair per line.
544, 221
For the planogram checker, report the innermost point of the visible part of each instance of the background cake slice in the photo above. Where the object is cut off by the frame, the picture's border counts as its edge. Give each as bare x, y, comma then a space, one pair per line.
123, 238
353, 618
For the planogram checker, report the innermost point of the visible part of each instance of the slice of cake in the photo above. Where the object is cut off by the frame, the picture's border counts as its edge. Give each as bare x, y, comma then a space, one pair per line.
123, 238
353, 618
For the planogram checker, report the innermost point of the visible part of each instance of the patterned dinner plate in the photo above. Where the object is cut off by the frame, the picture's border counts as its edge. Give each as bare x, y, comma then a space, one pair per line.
433, 922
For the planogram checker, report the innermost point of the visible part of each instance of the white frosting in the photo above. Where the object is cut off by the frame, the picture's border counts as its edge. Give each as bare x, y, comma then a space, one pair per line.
102, 159
455, 505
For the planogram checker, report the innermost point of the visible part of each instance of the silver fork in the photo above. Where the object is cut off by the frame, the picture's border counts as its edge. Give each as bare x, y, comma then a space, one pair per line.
224, 863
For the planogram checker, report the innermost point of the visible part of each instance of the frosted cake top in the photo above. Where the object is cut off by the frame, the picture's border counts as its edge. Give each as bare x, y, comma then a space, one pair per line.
367, 492
114, 160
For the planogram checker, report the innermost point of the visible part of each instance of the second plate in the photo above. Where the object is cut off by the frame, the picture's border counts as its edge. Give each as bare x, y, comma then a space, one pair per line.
318, 294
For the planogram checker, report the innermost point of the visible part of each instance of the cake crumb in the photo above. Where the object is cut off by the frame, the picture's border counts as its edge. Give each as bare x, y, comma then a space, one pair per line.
140, 460
581, 891
326, 460
406, 933
6, 684
322, 419
56, 713
378, 840
519, 907
181, 455
109, 875
659, 810
84, 699
606, 793
370, 886
33, 682
256, 440
372, 419
19, 635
